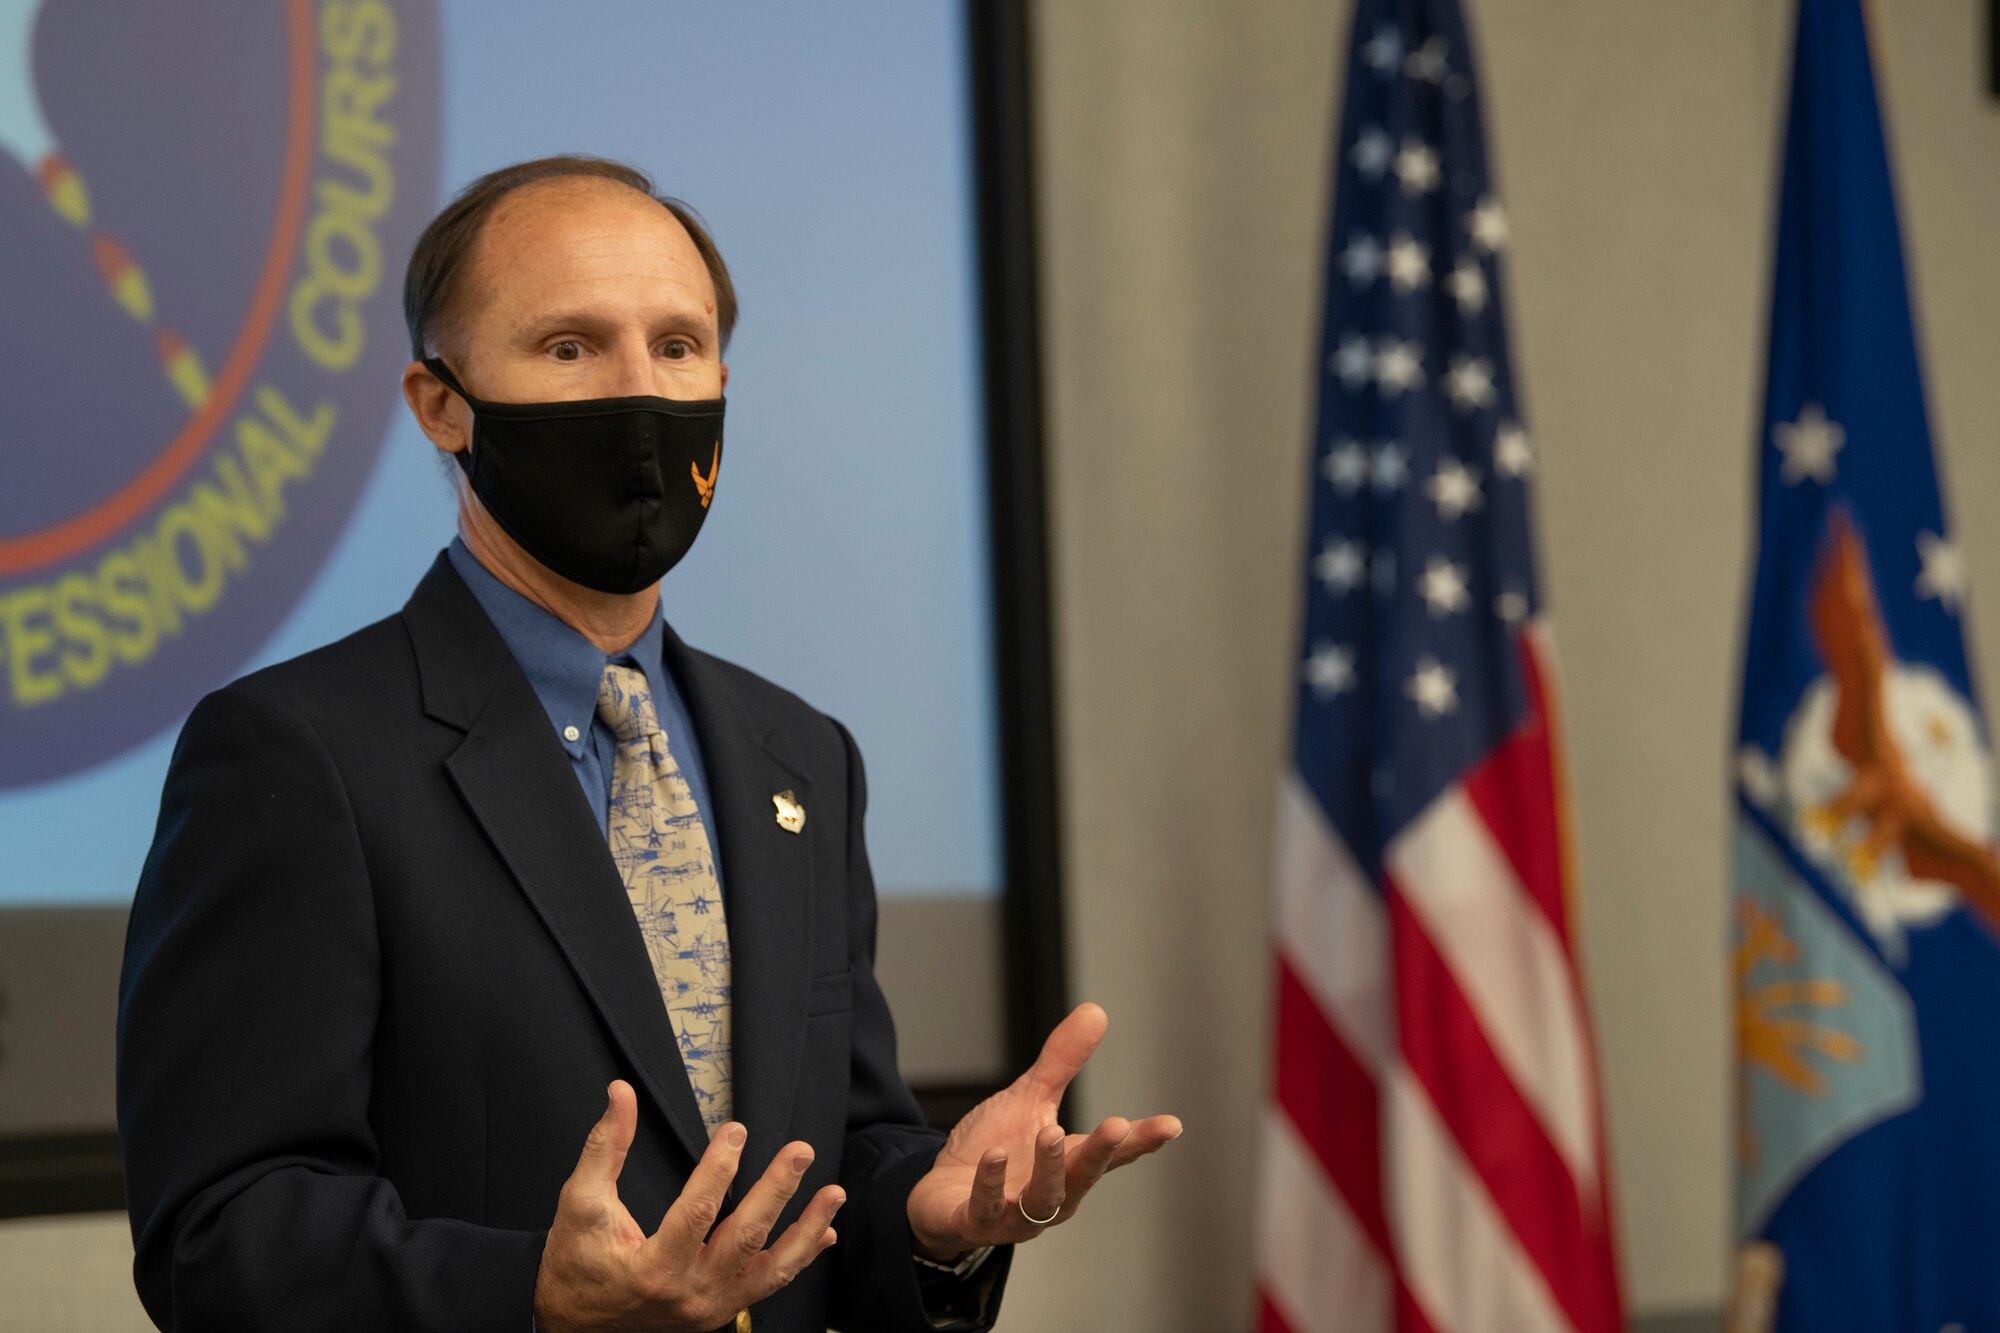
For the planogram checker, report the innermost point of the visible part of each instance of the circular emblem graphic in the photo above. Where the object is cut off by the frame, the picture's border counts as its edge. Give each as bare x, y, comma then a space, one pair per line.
1937, 739
205, 212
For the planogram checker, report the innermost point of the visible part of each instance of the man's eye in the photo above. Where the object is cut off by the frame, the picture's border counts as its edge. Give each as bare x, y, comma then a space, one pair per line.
567, 350
677, 349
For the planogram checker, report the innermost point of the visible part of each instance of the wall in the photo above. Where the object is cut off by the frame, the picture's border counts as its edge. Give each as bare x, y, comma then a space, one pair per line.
1183, 147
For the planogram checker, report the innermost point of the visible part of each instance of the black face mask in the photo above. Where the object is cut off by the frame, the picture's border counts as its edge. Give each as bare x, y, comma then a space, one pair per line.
607, 492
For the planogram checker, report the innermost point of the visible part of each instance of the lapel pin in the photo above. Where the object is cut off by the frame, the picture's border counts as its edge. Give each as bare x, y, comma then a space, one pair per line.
791, 815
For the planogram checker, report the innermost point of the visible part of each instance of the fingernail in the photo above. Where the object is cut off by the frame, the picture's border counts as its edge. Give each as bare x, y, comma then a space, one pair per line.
998, 1163
801, 1160
839, 1198
737, 1136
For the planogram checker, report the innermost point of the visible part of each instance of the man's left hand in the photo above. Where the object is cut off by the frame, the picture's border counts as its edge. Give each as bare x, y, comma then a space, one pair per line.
1008, 1161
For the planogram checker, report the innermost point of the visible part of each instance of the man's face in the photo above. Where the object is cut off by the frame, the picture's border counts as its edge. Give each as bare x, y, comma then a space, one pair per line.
582, 288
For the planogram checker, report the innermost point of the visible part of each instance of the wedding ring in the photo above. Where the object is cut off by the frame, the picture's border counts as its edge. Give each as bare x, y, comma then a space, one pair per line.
1022, 1204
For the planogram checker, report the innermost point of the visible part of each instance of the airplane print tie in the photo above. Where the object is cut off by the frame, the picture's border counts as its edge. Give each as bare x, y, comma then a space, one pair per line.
663, 853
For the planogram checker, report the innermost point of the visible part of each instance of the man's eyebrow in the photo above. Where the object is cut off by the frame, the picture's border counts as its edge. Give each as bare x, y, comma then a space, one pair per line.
587, 321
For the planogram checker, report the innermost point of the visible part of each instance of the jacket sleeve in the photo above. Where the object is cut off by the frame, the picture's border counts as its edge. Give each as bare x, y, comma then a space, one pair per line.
888, 1149
247, 1007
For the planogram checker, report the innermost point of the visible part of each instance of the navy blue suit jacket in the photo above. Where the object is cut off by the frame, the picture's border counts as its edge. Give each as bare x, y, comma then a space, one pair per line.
381, 967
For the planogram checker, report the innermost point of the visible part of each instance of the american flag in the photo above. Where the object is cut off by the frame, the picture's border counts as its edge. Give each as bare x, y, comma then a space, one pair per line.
1433, 1154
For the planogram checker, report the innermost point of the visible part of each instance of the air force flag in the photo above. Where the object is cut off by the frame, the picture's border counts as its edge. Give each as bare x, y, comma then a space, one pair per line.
1866, 950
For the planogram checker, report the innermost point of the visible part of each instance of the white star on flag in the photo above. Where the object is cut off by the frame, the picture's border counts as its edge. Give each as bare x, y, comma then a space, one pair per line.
1398, 365
1454, 489
1417, 168
1511, 452
1428, 62
1409, 263
1353, 361
1511, 607
1488, 226
1943, 574
1384, 51
1434, 687
1329, 670
1340, 566
1391, 468
1467, 285
1442, 586
1469, 382
1808, 445
1361, 261
1346, 465
1371, 152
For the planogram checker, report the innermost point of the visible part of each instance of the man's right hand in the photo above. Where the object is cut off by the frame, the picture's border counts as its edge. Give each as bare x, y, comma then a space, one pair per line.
600, 1271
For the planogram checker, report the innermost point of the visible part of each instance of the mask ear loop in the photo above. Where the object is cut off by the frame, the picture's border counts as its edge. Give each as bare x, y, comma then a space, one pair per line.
442, 373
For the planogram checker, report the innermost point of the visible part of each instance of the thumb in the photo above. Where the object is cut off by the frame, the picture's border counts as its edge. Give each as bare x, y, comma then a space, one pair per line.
1069, 1047
604, 1148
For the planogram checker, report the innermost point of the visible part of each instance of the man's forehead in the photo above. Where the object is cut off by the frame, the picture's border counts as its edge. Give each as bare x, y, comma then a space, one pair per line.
570, 213
571, 229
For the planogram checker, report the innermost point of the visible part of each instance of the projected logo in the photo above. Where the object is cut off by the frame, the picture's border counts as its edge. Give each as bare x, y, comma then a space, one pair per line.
204, 211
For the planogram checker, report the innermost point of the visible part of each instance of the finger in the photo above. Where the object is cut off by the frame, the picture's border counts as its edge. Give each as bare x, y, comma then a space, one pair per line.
1087, 1161
1045, 1191
738, 1240
1151, 1135
804, 1241
1147, 1136
986, 1208
596, 1176
1068, 1048
1114, 1143
686, 1227
1087, 1157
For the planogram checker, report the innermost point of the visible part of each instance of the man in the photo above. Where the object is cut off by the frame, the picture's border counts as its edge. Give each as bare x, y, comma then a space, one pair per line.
424, 903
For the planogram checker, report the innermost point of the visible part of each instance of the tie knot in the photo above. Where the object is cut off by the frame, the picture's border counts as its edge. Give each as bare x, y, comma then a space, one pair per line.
625, 703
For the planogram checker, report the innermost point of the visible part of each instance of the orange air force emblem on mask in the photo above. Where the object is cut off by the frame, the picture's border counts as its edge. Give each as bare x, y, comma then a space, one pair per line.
705, 486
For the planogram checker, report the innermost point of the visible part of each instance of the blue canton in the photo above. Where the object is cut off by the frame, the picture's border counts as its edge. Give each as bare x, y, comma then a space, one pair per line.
1419, 558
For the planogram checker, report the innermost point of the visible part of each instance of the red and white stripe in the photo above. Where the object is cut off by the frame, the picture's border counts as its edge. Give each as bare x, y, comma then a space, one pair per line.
1433, 1157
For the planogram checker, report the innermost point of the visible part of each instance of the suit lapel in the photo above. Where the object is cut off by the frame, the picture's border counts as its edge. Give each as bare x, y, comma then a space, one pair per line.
521, 790
766, 887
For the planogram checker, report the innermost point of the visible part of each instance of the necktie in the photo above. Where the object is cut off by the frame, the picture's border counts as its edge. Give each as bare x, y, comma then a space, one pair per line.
663, 853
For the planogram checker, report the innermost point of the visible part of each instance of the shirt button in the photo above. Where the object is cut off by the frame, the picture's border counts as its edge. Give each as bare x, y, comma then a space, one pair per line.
571, 734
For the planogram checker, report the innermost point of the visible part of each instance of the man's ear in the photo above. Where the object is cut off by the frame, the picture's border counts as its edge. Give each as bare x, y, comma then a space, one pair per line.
725, 377
440, 413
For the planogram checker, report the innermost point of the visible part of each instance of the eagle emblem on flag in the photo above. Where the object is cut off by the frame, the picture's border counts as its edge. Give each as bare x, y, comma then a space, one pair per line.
1885, 779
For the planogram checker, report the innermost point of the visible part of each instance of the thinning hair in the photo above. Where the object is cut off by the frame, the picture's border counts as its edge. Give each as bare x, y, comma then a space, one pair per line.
433, 283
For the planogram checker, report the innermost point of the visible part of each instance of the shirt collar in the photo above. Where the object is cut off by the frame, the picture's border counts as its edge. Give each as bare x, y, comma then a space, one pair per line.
562, 666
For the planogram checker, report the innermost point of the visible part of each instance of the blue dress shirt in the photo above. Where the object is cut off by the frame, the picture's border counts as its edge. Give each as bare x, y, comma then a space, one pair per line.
564, 668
